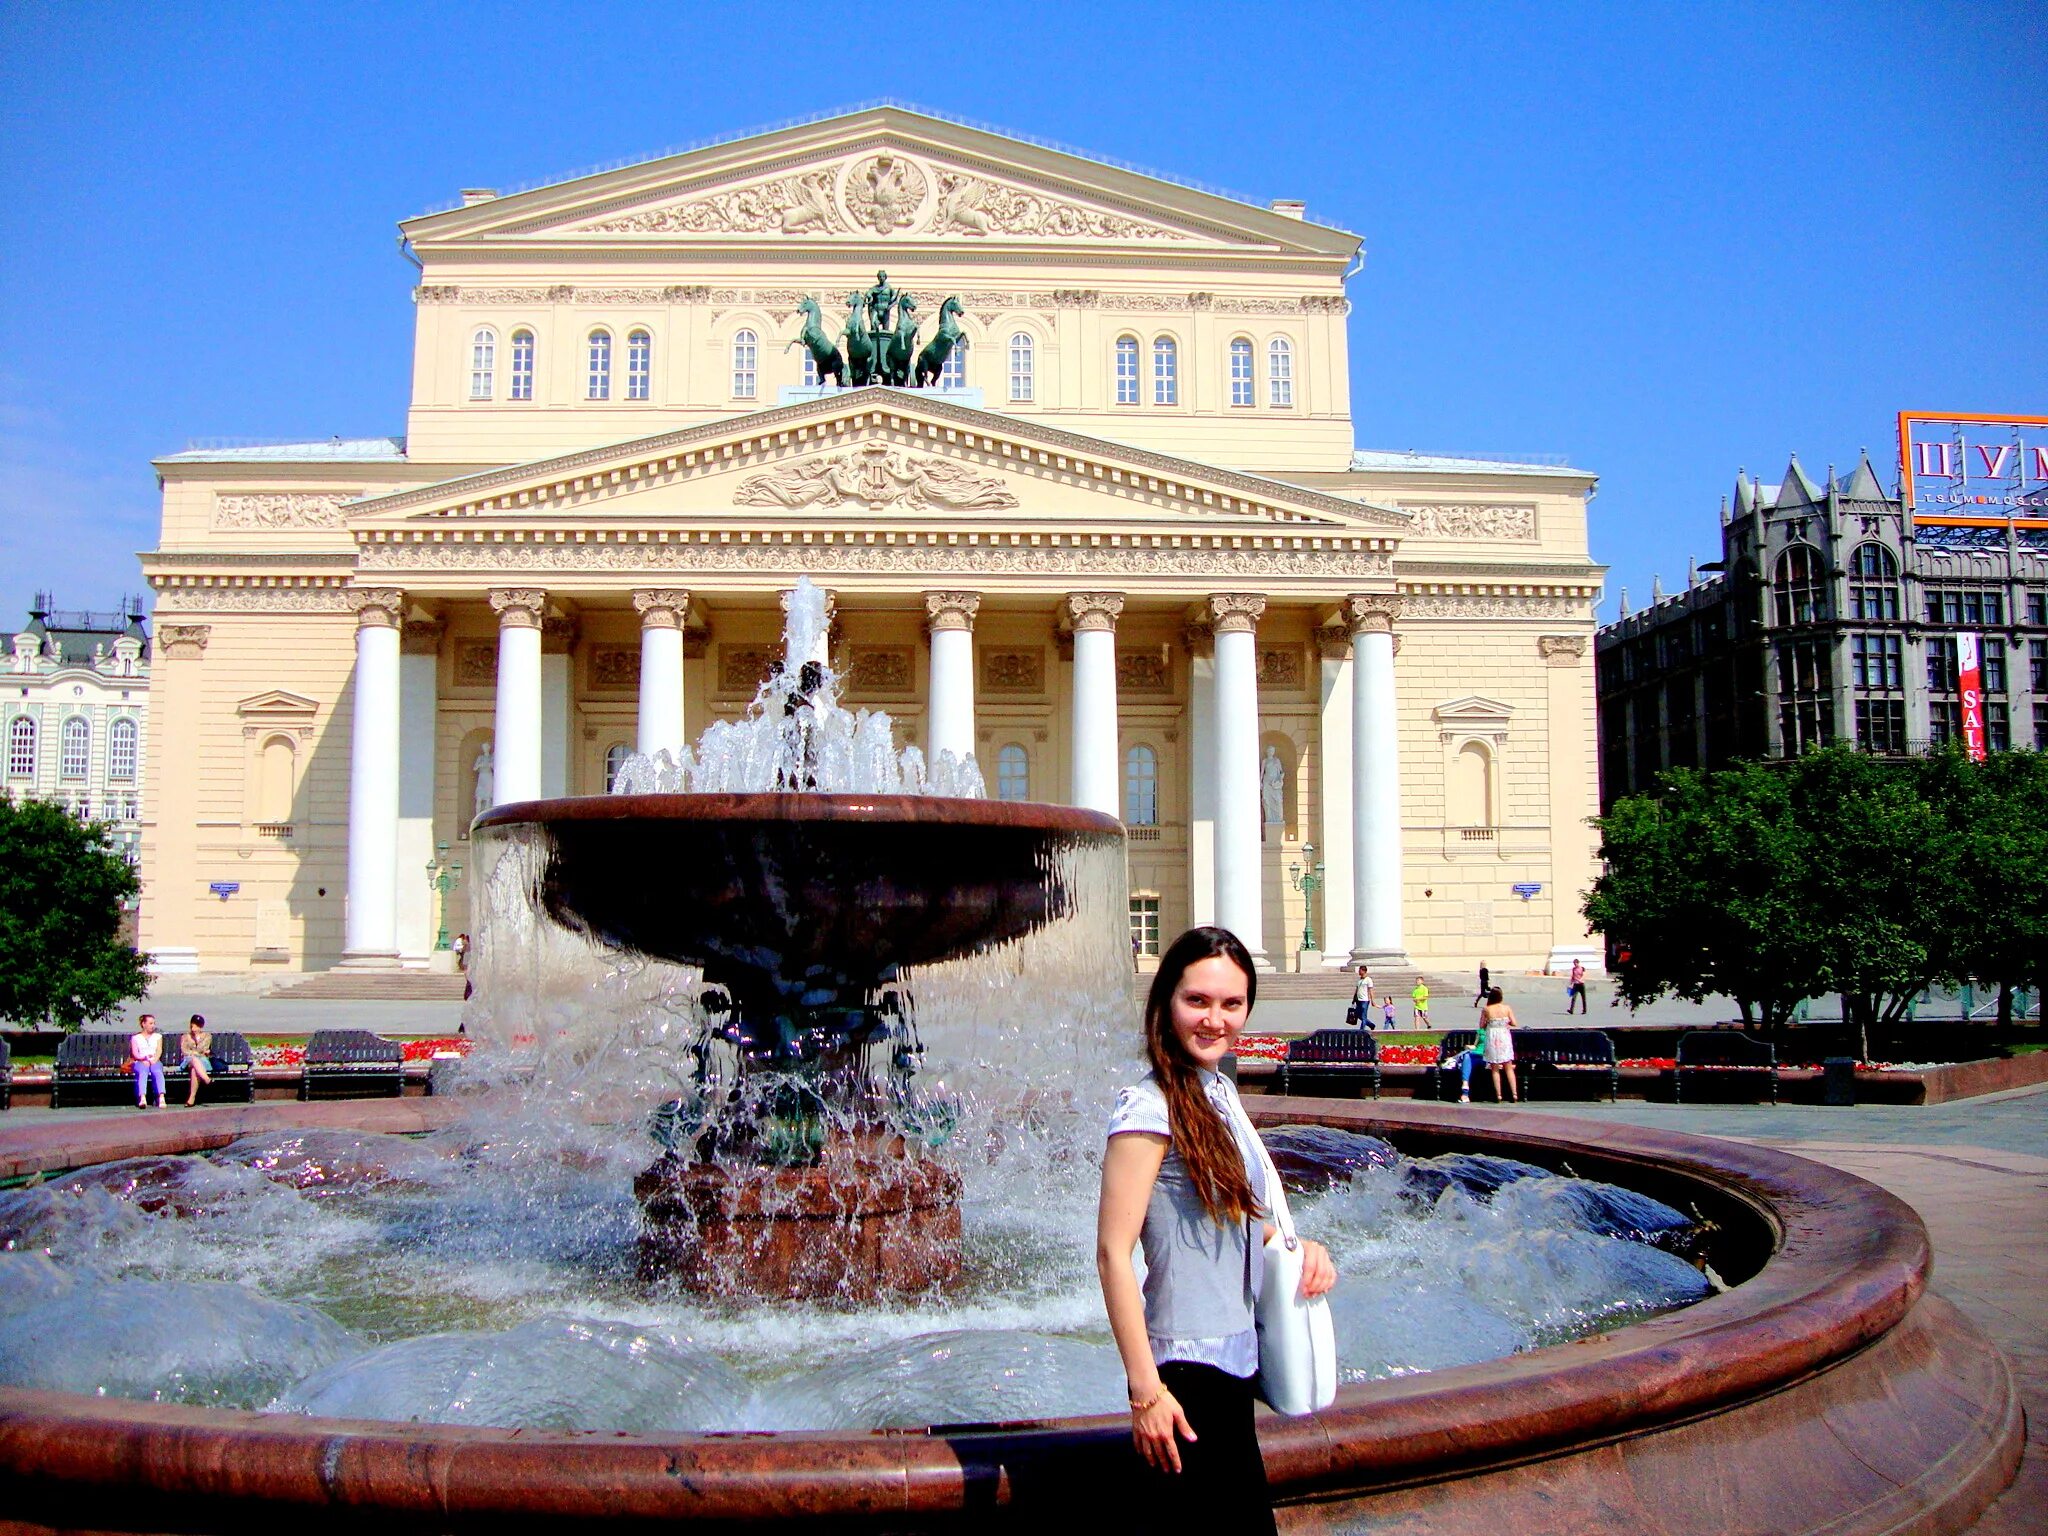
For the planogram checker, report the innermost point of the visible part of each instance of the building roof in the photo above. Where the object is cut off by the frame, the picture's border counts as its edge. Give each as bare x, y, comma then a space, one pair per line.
1448, 464
329, 450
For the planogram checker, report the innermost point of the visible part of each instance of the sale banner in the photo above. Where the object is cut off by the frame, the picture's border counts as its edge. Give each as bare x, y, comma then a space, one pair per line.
1970, 683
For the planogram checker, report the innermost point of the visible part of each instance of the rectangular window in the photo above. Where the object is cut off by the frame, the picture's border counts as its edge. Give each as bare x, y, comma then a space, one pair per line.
21, 748
1878, 661
1881, 725
75, 751
121, 751
1998, 727
744, 380
1145, 926
639, 365
1941, 665
522, 365
1944, 721
598, 386
1021, 384
1280, 376
2041, 725
1875, 602
1994, 666
2037, 665
1127, 372
1241, 373
1165, 373
2037, 607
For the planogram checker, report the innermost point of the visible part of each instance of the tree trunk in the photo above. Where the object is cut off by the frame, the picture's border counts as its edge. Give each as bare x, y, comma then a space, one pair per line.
2005, 1005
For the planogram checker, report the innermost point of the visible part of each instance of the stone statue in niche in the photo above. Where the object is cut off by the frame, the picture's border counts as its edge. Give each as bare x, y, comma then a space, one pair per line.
486, 769
1273, 787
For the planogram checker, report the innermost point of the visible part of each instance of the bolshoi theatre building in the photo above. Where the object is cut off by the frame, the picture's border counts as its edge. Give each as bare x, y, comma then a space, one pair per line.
1122, 547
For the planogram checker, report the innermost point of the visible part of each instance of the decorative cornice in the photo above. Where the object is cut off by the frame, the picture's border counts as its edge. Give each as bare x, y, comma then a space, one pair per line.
377, 607
1094, 610
662, 607
1371, 613
1235, 613
519, 607
1561, 650
182, 641
1497, 602
276, 596
951, 610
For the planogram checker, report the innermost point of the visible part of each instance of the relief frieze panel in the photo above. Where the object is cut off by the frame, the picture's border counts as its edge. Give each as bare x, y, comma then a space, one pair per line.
281, 509
1470, 520
1280, 666
743, 668
614, 667
1013, 671
250, 599
1143, 672
878, 669
476, 664
875, 476
1483, 605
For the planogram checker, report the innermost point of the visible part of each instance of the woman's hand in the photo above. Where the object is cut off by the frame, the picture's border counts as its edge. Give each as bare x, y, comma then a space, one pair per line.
1318, 1274
1154, 1428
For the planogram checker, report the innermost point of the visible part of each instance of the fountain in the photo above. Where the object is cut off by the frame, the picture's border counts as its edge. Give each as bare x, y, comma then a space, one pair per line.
866, 1033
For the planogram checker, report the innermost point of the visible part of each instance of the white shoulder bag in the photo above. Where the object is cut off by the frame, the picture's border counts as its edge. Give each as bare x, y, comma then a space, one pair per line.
1297, 1344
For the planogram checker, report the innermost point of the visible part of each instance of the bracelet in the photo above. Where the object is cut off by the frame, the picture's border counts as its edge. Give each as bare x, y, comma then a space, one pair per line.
1151, 1402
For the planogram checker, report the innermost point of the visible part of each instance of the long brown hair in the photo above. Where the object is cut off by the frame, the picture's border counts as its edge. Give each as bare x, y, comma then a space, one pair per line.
1206, 1145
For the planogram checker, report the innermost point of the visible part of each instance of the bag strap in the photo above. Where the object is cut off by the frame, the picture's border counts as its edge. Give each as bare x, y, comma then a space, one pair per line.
1276, 1196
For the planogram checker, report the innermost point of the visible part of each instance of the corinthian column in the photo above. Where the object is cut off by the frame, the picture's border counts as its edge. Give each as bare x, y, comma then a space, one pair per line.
1376, 849
662, 612
518, 722
1094, 616
370, 934
950, 720
1240, 903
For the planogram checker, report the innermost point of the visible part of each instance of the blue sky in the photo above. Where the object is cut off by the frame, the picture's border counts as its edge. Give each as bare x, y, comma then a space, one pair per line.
1664, 241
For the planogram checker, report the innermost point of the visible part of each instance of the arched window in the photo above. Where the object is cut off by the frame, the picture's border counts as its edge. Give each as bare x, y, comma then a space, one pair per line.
598, 385
954, 374
1165, 371
1469, 795
522, 365
1279, 373
1127, 370
1013, 773
639, 364
74, 751
1020, 366
483, 356
1241, 372
21, 748
121, 750
1802, 590
1874, 583
614, 760
1141, 787
276, 779
746, 352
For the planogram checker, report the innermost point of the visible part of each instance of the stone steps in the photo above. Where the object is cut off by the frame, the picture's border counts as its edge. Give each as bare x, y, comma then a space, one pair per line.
374, 986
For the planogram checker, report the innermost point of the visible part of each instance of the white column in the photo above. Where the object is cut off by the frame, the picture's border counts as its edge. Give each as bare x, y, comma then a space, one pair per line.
371, 930
662, 614
557, 704
949, 721
1376, 849
1094, 616
518, 722
1202, 777
419, 663
1335, 835
1240, 898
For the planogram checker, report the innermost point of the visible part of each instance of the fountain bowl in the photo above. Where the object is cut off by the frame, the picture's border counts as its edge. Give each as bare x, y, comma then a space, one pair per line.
1825, 1389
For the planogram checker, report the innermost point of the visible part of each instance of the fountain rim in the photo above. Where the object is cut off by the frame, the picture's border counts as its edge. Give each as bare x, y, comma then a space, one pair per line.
1849, 1261
807, 806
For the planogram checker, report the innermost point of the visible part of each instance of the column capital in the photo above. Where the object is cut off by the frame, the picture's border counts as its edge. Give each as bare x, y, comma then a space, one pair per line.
174, 640
1561, 650
421, 637
662, 607
1232, 613
558, 635
951, 610
1198, 638
1372, 613
377, 607
1094, 610
1333, 642
519, 607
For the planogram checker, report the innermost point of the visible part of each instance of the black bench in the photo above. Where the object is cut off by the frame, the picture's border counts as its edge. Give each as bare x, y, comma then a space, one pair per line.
352, 1064
1730, 1056
6, 1074
234, 1066
93, 1065
1453, 1045
1558, 1055
1349, 1052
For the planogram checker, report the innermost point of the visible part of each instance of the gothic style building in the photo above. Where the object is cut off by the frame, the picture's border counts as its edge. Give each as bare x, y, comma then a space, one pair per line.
1830, 617
1124, 550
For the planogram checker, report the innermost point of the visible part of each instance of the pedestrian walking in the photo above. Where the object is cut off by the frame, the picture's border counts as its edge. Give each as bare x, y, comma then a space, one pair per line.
146, 1054
1360, 1012
1485, 981
1420, 997
1575, 989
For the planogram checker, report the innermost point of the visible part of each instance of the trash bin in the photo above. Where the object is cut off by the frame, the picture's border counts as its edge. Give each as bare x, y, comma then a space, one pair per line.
1838, 1082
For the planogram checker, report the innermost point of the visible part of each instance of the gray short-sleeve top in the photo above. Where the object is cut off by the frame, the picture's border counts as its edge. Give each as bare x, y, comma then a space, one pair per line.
1202, 1277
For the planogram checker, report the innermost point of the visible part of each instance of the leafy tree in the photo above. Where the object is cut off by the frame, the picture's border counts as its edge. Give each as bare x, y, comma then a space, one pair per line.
61, 889
1997, 815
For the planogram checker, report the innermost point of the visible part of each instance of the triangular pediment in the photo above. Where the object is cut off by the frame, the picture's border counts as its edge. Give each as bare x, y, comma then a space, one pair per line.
1475, 714
278, 707
885, 176
874, 457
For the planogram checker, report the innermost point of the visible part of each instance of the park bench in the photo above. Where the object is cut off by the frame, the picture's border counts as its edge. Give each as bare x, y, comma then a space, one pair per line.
93, 1065
234, 1067
1454, 1043
1344, 1052
6, 1074
352, 1064
1731, 1058
1558, 1055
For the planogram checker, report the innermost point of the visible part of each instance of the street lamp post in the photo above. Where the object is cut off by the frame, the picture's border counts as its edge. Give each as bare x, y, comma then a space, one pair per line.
442, 877
1308, 882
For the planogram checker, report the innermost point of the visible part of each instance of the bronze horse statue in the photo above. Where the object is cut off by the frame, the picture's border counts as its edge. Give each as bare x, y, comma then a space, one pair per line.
899, 351
932, 361
825, 357
860, 344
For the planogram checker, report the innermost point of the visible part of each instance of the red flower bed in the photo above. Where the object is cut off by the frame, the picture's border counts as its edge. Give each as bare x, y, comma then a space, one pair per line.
410, 1050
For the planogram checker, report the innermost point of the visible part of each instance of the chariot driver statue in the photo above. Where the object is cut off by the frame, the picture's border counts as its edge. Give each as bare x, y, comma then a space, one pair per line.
880, 303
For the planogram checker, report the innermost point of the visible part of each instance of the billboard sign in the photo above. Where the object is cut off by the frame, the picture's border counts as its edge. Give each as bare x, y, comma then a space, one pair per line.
1970, 689
1963, 469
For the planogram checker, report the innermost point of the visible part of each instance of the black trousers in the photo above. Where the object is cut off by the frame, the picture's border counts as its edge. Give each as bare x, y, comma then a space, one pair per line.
1221, 1485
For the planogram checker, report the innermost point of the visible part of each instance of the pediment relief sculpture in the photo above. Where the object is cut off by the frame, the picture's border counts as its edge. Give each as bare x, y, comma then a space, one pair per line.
886, 192
876, 476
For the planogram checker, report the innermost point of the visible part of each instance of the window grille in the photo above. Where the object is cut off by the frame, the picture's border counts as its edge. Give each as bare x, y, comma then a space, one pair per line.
598, 386
1279, 374
1241, 372
1127, 370
1165, 371
639, 365
522, 365
483, 352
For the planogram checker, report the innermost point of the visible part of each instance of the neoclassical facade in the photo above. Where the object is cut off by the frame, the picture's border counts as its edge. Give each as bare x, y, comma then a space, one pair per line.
1125, 552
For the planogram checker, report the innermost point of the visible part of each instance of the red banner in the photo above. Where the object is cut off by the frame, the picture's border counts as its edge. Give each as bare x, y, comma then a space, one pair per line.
1970, 684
